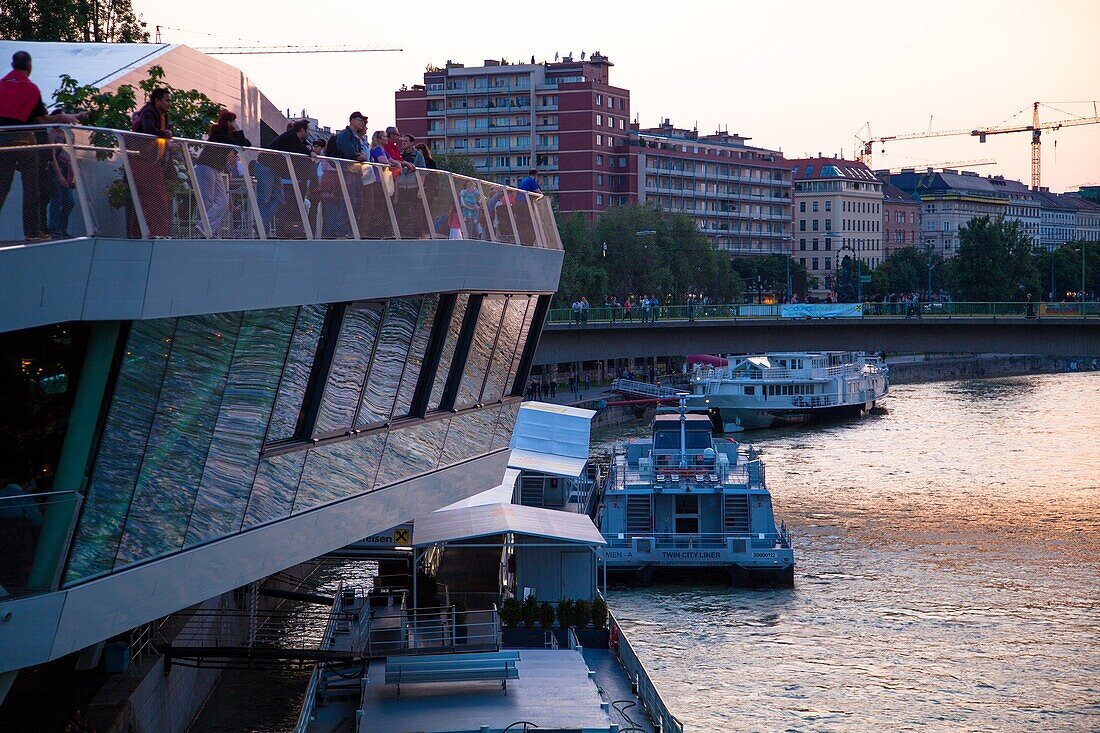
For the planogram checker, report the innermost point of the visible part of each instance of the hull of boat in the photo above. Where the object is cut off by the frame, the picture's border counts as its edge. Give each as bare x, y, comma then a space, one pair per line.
733, 419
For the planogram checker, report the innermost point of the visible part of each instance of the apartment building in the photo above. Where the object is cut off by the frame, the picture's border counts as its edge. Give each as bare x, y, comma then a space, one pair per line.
1086, 222
1059, 219
949, 199
900, 220
1024, 206
838, 213
562, 117
739, 195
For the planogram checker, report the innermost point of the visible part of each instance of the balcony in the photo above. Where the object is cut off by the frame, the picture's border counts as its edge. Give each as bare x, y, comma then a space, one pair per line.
131, 186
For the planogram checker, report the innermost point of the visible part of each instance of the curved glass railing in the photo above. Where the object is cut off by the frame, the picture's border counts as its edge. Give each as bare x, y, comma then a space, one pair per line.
77, 181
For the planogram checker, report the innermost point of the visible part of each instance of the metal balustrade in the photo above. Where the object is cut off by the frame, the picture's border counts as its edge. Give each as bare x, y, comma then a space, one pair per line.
129, 185
870, 311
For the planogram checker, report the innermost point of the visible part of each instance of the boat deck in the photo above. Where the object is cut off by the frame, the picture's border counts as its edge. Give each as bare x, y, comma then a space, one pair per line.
554, 690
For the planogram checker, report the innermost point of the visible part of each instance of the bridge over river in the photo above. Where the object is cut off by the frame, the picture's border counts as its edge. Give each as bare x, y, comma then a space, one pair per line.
1071, 330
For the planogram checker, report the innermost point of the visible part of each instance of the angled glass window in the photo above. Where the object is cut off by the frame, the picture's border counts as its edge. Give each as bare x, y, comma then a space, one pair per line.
496, 382
388, 363
448, 355
415, 362
521, 343
287, 416
481, 350
344, 385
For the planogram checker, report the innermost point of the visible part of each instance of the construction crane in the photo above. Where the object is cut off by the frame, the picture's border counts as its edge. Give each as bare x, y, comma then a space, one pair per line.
258, 48
1035, 128
946, 164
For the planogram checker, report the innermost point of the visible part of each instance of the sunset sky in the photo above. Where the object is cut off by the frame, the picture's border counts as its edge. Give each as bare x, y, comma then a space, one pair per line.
801, 76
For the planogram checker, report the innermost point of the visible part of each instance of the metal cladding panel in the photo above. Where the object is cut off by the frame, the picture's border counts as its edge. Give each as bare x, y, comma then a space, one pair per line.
495, 519
555, 430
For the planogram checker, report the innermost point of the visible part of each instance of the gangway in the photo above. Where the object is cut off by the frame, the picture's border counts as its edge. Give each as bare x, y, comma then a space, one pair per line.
646, 390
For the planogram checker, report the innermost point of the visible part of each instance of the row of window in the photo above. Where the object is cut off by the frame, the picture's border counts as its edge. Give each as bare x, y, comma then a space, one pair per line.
611, 102
358, 366
600, 139
610, 122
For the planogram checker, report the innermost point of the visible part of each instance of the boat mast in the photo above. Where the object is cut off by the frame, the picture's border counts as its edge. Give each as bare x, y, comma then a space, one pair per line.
683, 433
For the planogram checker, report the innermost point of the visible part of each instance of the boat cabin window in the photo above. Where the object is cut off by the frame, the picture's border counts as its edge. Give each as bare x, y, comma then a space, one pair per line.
670, 439
698, 439
750, 390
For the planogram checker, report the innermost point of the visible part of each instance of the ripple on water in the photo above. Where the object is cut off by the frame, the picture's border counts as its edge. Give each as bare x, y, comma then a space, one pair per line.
948, 556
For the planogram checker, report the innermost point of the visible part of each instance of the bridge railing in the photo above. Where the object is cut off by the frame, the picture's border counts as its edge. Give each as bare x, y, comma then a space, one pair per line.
747, 311
81, 181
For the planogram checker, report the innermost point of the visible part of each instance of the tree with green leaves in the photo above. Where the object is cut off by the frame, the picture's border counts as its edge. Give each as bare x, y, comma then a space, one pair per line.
640, 250
906, 271
772, 271
994, 262
98, 21
192, 111
458, 163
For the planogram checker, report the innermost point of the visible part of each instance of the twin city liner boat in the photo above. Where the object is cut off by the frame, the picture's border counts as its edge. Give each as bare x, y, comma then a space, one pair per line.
749, 392
684, 501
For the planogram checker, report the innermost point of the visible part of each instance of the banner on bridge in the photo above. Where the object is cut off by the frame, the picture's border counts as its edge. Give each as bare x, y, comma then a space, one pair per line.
822, 310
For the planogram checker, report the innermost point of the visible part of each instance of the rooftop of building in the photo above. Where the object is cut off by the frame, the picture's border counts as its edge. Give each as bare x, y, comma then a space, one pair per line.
944, 181
891, 194
719, 142
825, 167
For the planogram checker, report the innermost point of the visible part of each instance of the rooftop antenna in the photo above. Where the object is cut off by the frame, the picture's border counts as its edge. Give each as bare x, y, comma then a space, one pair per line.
557, 56
582, 55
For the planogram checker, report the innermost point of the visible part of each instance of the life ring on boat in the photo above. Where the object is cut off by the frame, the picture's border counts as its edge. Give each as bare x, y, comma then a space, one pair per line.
613, 638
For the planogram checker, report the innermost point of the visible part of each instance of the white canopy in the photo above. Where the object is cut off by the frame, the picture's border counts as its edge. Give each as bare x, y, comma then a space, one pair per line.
551, 439
494, 519
499, 494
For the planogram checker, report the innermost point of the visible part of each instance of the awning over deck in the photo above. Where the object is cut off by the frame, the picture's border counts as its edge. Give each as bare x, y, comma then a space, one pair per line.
551, 439
496, 519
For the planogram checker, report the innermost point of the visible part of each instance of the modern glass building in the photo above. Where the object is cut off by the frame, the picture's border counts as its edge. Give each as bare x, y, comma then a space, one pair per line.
182, 415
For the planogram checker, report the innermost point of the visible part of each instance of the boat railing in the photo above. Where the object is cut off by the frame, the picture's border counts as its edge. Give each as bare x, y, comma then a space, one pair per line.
672, 476
647, 691
644, 389
815, 400
130, 185
305, 717
698, 540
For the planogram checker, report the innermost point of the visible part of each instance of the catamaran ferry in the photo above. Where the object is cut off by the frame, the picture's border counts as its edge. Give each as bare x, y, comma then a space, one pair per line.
759, 391
684, 501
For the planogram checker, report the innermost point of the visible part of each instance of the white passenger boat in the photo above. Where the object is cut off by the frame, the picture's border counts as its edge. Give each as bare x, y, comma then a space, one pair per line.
762, 390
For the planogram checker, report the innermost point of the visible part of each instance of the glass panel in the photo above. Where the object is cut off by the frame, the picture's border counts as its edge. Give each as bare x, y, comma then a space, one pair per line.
472, 200
279, 211
377, 185
299, 364
505, 349
238, 435
522, 214
179, 440
545, 213
339, 470
411, 451
388, 362
184, 199
441, 204
470, 434
273, 491
329, 211
104, 179
121, 448
415, 361
498, 212
477, 362
521, 343
506, 422
220, 175
409, 207
448, 354
349, 367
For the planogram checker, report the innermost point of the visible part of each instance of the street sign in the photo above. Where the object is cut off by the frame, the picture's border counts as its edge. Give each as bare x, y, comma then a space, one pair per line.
865, 278
397, 537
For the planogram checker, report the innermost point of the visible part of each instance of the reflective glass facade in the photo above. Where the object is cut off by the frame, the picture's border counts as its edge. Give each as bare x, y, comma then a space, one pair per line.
218, 423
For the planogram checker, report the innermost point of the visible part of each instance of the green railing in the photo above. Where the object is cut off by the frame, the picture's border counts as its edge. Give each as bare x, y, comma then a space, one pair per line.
753, 311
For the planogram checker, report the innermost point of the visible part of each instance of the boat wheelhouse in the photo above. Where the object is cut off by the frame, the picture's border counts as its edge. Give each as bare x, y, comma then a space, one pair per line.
682, 500
763, 390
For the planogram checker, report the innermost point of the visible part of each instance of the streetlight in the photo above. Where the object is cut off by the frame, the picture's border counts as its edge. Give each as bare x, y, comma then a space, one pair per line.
931, 266
859, 270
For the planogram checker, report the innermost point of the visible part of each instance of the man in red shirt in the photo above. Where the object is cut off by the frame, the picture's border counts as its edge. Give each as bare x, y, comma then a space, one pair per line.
21, 104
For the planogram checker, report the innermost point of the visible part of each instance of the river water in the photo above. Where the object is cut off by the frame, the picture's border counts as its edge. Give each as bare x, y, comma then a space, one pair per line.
948, 574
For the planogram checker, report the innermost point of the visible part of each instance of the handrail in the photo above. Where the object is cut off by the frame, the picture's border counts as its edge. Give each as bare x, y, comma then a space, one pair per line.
647, 691
132, 185
665, 314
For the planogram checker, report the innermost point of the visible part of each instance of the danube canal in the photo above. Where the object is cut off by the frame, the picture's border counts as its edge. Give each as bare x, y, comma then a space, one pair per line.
948, 574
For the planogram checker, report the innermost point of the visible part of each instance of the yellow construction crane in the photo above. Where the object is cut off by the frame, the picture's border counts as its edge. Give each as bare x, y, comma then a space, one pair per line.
945, 164
1035, 128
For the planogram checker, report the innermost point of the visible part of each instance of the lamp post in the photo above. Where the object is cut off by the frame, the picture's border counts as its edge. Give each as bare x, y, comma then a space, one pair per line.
859, 274
1051, 274
931, 267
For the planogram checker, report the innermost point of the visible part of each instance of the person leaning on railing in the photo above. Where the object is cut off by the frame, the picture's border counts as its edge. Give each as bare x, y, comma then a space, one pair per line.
211, 163
150, 164
21, 104
270, 170
348, 145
